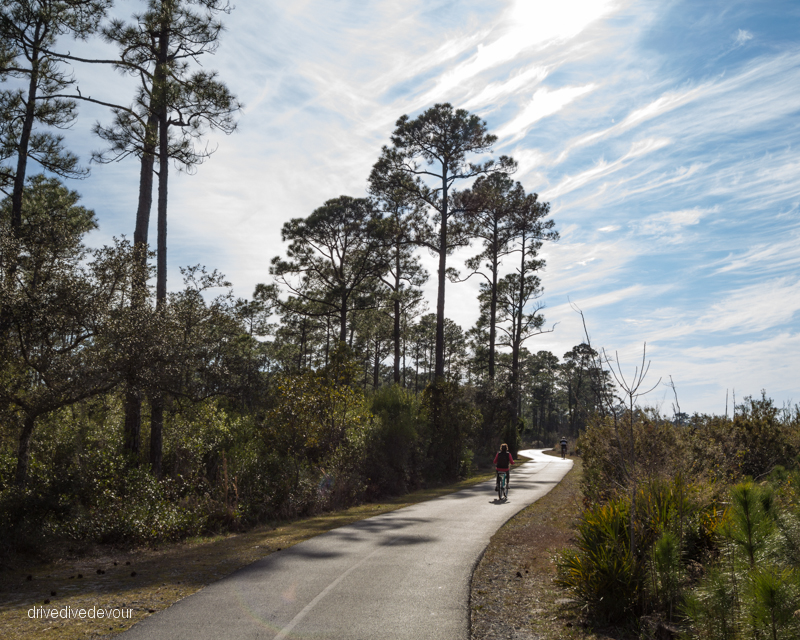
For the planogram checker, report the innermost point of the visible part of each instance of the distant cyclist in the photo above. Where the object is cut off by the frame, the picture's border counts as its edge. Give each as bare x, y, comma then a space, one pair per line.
503, 462
563, 447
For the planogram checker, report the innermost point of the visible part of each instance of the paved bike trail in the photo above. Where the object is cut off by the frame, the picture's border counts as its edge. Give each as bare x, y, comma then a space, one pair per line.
399, 575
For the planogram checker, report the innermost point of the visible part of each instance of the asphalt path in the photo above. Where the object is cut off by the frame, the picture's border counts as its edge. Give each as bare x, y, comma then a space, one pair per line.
399, 575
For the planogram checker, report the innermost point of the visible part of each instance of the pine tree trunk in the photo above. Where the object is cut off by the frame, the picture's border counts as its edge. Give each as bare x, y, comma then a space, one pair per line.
327, 338
24, 139
24, 451
343, 321
157, 401
493, 322
516, 335
301, 352
133, 400
405, 345
163, 177
397, 327
133, 422
377, 365
156, 433
140, 233
439, 362
515, 390
416, 371
493, 304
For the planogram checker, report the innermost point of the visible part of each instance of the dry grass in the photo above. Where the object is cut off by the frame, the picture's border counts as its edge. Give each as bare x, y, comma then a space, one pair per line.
162, 576
512, 592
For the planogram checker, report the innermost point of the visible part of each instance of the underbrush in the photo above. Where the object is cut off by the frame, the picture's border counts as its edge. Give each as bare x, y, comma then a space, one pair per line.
316, 446
690, 530
753, 588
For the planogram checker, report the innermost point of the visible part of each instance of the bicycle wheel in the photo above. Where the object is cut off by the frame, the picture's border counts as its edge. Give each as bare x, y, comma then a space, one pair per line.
505, 488
500, 485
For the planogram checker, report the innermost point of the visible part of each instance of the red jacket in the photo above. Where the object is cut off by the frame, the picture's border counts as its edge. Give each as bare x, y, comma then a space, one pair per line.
510, 459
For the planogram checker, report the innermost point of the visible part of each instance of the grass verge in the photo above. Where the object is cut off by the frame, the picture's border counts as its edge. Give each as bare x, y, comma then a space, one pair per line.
512, 593
149, 580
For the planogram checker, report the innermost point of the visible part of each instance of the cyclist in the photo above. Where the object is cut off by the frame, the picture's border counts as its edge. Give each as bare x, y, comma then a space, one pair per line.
563, 447
503, 462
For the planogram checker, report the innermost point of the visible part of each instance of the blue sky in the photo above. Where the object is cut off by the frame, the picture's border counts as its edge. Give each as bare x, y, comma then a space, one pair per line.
665, 135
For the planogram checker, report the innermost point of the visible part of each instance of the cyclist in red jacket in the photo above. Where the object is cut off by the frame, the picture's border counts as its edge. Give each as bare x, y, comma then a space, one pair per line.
503, 462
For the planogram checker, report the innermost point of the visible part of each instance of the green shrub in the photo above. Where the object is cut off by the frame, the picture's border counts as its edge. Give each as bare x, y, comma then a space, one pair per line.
452, 421
136, 508
195, 438
774, 597
668, 571
723, 553
757, 440
750, 519
753, 588
314, 441
495, 420
601, 573
392, 464
712, 608
614, 584
511, 437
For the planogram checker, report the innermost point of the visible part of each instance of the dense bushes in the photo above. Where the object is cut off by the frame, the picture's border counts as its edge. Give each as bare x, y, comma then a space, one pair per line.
715, 449
134, 506
694, 525
617, 575
452, 420
395, 448
753, 590
315, 444
81, 487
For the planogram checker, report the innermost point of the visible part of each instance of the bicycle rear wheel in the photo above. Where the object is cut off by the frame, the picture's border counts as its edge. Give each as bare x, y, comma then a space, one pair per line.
500, 487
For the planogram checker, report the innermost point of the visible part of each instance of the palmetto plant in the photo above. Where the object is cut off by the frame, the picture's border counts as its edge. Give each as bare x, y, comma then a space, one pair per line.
601, 572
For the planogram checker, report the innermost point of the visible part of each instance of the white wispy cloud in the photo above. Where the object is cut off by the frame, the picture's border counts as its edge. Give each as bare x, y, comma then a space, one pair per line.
765, 258
722, 105
526, 25
742, 36
654, 109
746, 310
705, 375
666, 225
519, 81
545, 102
603, 169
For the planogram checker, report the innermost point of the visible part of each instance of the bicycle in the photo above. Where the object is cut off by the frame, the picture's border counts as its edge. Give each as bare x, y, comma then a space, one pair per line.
502, 485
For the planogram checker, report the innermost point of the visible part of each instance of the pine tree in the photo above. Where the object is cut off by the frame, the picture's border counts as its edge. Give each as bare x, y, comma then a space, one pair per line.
428, 155
29, 30
335, 259
174, 108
